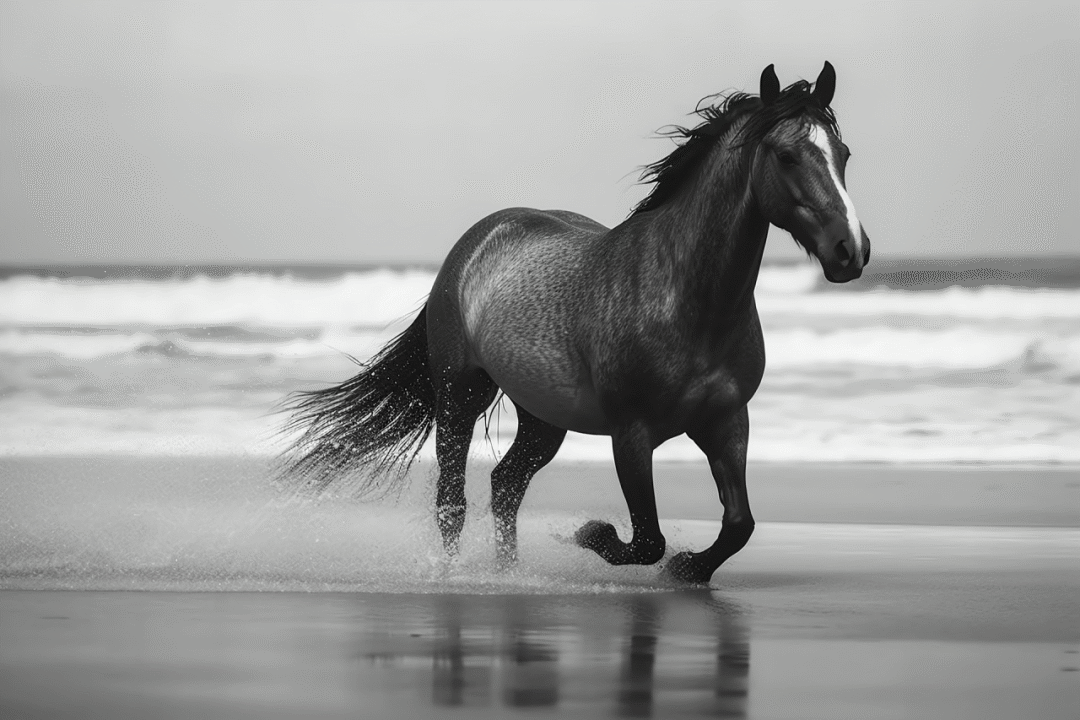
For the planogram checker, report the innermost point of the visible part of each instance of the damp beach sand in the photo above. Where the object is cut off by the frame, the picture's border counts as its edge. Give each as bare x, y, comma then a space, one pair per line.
867, 591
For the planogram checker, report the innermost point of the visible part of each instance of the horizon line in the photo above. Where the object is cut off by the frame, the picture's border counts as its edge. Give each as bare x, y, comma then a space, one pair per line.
879, 259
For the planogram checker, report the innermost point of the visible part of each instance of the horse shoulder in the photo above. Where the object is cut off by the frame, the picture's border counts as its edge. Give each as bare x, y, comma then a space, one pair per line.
734, 364
673, 376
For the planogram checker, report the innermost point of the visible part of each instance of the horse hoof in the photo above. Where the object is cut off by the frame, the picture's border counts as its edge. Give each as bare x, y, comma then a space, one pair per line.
596, 535
684, 568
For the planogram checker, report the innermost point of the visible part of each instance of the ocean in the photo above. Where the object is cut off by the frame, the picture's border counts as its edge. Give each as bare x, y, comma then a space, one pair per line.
916, 363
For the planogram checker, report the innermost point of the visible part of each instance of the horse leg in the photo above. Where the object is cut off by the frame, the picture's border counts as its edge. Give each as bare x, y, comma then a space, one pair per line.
460, 402
633, 462
724, 444
534, 446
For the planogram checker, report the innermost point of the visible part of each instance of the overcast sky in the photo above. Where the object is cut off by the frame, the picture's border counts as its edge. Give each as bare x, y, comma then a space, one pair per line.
369, 132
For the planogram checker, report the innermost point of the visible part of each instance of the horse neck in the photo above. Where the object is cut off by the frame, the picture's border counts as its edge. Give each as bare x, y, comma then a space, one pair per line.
716, 236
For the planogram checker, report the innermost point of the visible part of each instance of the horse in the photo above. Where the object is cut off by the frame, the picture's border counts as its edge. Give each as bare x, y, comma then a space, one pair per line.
641, 332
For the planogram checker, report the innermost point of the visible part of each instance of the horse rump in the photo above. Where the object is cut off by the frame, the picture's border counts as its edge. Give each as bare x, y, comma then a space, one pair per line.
369, 428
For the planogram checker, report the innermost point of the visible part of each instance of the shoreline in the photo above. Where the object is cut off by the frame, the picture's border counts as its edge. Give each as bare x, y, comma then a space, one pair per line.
130, 522
479, 453
860, 493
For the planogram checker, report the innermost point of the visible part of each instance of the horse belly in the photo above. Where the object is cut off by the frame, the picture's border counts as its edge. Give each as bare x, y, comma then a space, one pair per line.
566, 408
534, 365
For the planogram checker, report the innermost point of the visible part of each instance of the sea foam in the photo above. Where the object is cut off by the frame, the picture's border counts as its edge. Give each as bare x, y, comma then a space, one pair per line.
196, 365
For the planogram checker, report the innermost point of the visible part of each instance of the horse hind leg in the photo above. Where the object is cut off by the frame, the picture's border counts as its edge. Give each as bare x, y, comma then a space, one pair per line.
459, 403
534, 446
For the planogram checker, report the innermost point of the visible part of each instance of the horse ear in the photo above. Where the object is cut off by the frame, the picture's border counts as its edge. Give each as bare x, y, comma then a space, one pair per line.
825, 85
770, 85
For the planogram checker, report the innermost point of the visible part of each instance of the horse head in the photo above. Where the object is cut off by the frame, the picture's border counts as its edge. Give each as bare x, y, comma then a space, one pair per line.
798, 176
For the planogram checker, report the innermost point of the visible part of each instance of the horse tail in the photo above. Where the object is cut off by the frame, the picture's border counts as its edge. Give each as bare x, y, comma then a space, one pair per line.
370, 427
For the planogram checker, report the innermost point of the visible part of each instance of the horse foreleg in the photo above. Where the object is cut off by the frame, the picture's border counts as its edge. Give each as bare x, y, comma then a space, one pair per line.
725, 446
534, 446
633, 462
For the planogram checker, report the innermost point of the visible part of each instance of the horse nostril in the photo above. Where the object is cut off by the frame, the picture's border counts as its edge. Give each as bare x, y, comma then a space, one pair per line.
842, 253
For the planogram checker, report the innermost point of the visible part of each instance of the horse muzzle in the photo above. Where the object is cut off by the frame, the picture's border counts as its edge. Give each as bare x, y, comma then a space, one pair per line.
842, 258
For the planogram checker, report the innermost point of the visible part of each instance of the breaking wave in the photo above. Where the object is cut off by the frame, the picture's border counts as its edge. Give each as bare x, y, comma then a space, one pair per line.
195, 365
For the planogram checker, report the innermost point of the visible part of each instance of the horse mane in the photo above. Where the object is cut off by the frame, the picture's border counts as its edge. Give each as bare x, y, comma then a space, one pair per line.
669, 173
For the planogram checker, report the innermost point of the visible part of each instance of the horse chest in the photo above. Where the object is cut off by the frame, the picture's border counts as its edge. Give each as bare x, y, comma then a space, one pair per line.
699, 379
726, 388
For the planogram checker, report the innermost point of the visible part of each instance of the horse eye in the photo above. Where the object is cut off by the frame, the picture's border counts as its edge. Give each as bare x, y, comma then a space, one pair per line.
787, 158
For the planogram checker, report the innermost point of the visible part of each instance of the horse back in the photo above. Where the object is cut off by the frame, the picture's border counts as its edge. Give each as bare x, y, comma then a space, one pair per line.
509, 295
529, 250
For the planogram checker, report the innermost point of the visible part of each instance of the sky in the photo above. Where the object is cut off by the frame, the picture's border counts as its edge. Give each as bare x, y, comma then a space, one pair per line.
238, 132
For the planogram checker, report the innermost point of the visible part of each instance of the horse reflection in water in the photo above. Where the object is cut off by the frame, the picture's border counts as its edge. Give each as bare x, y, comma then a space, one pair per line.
466, 657
642, 656
642, 332
723, 693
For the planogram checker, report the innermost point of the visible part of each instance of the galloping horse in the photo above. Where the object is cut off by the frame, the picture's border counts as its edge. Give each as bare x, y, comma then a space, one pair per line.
642, 332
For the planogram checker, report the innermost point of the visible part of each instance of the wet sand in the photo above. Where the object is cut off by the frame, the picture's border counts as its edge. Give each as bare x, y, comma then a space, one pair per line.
968, 610
805, 643
779, 492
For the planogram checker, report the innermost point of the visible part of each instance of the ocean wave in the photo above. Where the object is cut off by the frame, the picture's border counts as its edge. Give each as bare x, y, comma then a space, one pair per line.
928, 424
291, 349
73, 346
787, 349
988, 374
954, 348
383, 297
983, 303
377, 297
789, 279
193, 343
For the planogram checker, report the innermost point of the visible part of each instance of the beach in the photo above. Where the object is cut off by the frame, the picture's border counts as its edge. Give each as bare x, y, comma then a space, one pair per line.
867, 591
254, 273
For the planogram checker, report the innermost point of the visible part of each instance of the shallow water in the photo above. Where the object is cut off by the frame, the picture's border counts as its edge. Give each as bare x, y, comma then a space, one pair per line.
880, 645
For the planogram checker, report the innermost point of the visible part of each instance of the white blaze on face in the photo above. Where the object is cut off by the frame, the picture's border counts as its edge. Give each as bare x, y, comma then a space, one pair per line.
820, 138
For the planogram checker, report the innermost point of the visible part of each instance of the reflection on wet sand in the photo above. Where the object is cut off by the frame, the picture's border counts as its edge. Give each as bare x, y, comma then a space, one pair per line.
729, 683
644, 656
635, 695
830, 646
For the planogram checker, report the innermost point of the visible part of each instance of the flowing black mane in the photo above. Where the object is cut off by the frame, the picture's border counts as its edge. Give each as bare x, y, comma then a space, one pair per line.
668, 173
